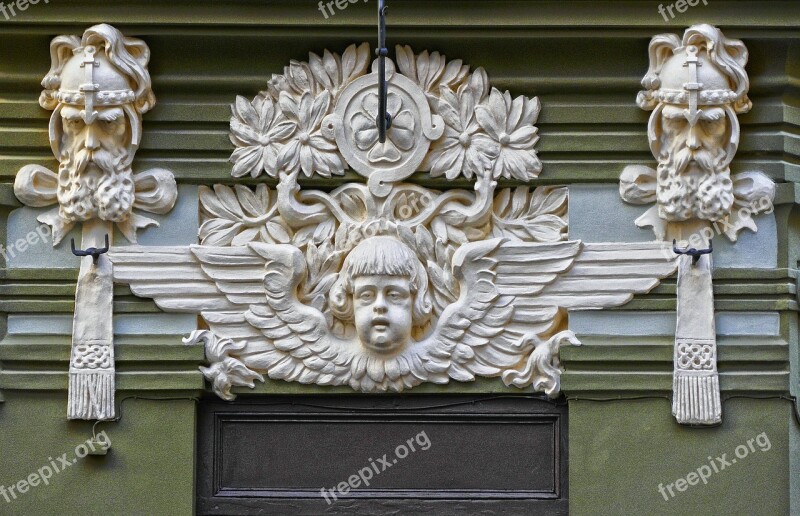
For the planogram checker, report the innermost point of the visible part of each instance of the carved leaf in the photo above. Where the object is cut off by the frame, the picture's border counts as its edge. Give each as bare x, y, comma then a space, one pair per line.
538, 216
425, 243
430, 70
278, 233
233, 216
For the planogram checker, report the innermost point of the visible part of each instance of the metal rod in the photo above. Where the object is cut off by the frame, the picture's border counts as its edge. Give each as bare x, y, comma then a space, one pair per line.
383, 119
92, 251
694, 253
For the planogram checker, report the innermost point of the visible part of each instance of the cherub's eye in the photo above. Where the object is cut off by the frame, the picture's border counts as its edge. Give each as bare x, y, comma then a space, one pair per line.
366, 296
396, 295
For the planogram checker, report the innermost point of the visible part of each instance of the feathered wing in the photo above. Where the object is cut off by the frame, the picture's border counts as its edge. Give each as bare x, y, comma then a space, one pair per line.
299, 346
513, 292
245, 294
607, 275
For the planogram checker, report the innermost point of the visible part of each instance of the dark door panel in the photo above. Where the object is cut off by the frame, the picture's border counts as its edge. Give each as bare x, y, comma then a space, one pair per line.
374, 454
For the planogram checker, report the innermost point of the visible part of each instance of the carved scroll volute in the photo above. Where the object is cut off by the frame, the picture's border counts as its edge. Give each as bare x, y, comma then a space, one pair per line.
408, 139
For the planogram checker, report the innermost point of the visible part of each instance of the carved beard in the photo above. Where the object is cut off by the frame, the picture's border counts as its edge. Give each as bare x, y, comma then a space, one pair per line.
95, 184
699, 189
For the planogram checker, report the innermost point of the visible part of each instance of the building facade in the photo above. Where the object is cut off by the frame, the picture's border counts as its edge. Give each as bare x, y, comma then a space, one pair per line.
533, 360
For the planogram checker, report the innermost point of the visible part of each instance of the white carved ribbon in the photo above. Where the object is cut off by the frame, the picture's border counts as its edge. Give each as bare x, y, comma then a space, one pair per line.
695, 382
91, 366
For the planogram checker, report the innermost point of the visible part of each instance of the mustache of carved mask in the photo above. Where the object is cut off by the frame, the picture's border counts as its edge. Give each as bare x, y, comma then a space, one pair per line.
106, 161
706, 160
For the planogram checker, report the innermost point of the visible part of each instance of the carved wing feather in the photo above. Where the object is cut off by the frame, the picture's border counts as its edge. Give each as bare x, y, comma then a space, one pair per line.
311, 353
472, 336
173, 277
514, 291
245, 294
607, 275
238, 275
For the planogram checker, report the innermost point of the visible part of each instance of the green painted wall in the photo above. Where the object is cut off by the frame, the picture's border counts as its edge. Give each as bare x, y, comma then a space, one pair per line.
627, 449
149, 469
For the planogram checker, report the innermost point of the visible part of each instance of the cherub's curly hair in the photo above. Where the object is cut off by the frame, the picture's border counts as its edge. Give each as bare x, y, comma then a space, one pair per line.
381, 255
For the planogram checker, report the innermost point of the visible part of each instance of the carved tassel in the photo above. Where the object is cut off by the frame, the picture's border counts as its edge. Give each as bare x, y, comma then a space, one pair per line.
695, 384
91, 395
91, 367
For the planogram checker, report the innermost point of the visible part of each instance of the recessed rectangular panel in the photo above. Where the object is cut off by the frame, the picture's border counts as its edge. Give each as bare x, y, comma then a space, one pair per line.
435, 453
446, 454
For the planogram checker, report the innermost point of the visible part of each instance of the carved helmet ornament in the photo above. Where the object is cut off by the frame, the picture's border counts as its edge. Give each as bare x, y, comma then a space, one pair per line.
385, 285
98, 87
695, 87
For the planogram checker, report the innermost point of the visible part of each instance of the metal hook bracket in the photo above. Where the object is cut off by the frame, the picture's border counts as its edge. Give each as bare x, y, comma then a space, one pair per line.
691, 251
383, 119
92, 251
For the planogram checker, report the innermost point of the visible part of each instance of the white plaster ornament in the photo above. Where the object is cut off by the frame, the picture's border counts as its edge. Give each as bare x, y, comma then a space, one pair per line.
696, 396
695, 87
385, 285
98, 87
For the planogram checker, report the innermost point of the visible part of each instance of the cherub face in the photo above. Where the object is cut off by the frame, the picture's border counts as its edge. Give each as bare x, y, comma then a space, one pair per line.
382, 306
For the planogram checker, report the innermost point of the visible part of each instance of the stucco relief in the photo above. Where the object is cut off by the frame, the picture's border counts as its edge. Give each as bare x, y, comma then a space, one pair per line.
98, 88
385, 285
696, 87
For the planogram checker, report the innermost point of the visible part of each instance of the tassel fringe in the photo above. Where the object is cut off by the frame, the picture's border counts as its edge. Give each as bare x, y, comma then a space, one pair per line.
696, 399
91, 395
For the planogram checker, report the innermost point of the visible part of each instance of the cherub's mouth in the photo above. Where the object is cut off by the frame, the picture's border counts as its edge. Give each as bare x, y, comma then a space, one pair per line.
380, 323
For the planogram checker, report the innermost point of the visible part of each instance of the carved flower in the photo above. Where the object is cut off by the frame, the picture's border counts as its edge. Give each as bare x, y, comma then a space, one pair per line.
258, 130
399, 137
464, 146
308, 149
510, 124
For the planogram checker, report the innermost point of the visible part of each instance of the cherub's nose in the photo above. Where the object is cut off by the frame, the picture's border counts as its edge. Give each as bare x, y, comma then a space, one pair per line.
380, 304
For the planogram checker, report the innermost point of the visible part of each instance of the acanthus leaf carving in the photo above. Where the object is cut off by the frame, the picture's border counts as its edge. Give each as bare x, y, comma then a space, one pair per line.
225, 371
